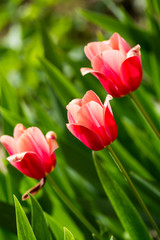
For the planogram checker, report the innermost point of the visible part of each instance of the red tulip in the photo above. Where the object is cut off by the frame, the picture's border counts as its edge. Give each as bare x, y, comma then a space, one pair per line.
116, 65
30, 152
91, 121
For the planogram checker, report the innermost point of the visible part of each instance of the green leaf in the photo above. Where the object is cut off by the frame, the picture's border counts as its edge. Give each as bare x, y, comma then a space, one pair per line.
125, 210
9, 101
129, 32
50, 49
43, 116
24, 229
68, 235
62, 86
13, 118
129, 161
55, 227
150, 187
38, 220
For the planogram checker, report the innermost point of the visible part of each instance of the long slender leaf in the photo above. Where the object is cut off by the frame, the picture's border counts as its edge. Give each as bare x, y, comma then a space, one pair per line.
55, 227
125, 210
24, 229
64, 89
130, 33
68, 235
39, 223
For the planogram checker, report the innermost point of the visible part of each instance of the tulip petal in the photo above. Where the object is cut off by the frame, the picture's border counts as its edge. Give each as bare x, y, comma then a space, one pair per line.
108, 85
110, 124
94, 48
9, 143
73, 108
131, 71
91, 116
29, 163
135, 51
51, 139
33, 140
91, 96
18, 131
118, 43
108, 64
87, 136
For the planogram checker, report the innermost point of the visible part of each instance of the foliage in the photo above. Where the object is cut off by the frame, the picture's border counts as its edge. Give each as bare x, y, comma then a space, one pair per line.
41, 53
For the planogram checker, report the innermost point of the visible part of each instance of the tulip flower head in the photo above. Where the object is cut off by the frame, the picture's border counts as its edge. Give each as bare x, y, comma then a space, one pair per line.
116, 65
91, 121
30, 152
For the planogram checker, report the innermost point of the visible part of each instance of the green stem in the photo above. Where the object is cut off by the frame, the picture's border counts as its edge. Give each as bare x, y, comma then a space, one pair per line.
144, 114
117, 161
70, 205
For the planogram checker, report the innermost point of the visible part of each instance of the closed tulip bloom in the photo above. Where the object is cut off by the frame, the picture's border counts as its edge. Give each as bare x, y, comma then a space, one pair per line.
30, 152
116, 65
91, 121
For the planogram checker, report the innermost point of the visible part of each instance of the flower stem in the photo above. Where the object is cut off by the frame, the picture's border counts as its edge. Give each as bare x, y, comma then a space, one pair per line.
144, 114
117, 161
70, 205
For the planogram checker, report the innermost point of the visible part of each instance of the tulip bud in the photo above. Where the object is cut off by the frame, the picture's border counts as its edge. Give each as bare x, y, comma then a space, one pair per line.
115, 64
91, 121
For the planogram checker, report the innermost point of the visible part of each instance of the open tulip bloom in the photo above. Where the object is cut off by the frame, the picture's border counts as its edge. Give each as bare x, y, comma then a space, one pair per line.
91, 121
31, 153
116, 65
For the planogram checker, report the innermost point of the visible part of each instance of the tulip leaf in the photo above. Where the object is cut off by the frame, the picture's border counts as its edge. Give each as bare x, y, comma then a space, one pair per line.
9, 101
129, 32
150, 187
24, 229
39, 223
50, 49
13, 118
62, 86
125, 210
129, 161
43, 116
68, 235
55, 227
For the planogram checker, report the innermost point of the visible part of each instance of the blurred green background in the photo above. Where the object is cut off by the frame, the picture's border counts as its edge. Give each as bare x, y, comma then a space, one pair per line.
41, 53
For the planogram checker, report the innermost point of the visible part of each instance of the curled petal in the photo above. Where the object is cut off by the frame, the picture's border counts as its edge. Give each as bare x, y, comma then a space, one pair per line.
108, 85
131, 71
51, 139
85, 71
29, 163
106, 102
9, 143
135, 51
87, 136
18, 131
34, 190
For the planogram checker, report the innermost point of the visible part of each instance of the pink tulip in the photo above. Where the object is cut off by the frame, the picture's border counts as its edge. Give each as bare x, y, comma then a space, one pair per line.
116, 65
30, 152
91, 121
